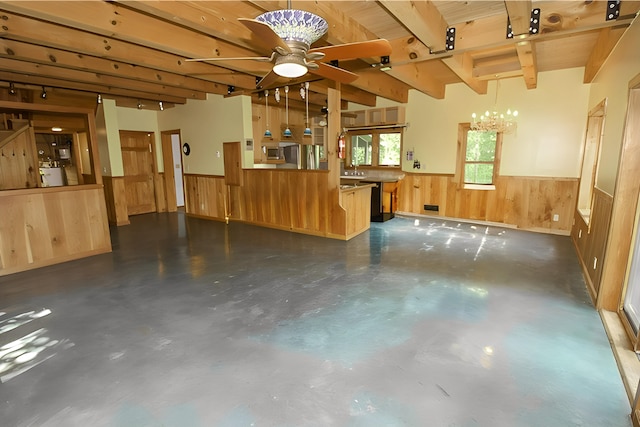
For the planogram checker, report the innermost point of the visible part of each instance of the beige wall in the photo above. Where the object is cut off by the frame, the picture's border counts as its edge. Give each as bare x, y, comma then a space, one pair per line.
550, 132
206, 125
612, 83
109, 139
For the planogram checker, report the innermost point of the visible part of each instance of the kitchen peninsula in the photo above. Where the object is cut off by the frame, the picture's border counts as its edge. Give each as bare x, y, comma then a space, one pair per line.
308, 201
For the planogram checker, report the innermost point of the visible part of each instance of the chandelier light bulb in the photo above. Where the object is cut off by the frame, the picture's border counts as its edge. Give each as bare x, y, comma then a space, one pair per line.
495, 121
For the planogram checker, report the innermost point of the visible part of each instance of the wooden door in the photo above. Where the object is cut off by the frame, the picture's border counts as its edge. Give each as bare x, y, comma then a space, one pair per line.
138, 162
232, 163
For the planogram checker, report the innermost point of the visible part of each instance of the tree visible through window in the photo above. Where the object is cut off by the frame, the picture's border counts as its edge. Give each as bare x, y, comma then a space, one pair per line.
376, 147
389, 149
361, 149
480, 157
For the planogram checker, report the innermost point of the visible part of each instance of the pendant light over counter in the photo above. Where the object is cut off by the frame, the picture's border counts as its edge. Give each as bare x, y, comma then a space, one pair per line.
307, 129
287, 132
267, 132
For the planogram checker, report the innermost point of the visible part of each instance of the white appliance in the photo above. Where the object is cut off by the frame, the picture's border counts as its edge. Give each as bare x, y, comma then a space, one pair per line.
52, 177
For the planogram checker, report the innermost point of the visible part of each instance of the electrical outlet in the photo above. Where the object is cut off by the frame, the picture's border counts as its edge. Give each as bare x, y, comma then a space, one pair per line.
556, 218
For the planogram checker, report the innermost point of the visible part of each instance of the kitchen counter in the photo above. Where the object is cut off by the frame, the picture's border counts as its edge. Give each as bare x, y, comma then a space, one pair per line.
356, 201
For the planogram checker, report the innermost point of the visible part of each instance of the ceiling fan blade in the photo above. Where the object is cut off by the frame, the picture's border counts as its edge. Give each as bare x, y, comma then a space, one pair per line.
265, 34
314, 56
267, 80
240, 58
334, 73
380, 47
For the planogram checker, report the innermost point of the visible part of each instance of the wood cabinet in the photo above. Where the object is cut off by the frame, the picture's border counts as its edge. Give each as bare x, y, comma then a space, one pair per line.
374, 117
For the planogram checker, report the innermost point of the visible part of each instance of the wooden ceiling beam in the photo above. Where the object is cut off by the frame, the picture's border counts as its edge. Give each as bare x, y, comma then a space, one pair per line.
527, 57
422, 18
415, 78
56, 36
12, 49
607, 40
462, 65
558, 19
519, 13
349, 94
214, 18
119, 22
30, 68
86, 87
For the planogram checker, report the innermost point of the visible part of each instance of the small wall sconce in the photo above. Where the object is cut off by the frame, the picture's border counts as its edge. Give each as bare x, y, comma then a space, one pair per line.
12, 89
139, 105
161, 105
99, 99
43, 95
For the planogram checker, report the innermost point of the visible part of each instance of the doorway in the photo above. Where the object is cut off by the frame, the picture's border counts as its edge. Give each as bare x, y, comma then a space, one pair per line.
177, 169
173, 171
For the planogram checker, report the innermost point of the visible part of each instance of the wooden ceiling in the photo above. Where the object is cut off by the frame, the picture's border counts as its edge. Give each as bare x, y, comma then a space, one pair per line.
135, 51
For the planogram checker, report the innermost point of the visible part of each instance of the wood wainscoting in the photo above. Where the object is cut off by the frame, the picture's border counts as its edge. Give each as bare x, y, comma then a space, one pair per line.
47, 226
590, 239
292, 200
116, 200
529, 203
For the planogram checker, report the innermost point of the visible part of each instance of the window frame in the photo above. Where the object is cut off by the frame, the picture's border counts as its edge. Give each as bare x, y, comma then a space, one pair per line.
375, 145
463, 129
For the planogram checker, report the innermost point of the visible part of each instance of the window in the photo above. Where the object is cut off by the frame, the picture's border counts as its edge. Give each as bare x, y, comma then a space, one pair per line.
376, 147
480, 156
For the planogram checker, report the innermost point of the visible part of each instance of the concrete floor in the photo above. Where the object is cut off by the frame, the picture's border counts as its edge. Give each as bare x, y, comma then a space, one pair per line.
413, 323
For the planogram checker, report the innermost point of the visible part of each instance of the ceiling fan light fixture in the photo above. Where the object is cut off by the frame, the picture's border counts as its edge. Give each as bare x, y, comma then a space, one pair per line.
295, 25
290, 66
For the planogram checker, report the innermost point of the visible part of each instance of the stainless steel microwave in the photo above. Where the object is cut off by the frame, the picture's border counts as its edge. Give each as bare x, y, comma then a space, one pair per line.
272, 153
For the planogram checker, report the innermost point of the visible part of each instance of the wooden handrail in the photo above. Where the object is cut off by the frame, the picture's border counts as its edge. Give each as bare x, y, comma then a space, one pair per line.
13, 135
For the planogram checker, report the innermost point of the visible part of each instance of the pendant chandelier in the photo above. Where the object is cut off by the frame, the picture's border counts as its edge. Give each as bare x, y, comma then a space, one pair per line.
267, 133
287, 131
307, 130
495, 121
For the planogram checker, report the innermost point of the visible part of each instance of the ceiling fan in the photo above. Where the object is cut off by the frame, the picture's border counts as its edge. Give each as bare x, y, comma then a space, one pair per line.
289, 33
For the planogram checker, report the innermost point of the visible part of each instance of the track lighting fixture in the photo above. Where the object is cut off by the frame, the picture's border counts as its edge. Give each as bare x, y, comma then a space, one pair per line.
139, 105
43, 95
161, 106
99, 99
12, 89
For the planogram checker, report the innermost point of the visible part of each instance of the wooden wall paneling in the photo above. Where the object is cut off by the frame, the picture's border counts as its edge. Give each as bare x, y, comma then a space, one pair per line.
204, 196
160, 194
623, 212
598, 233
525, 202
38, 241
232, 153
19, 161
52, 226
13, 245
116, 200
